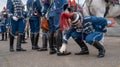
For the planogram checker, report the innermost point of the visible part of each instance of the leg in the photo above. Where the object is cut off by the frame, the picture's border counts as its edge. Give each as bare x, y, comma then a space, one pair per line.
2, 30
5, 35
44, 42
19, 48
11, 42
21, 27
23, 38
51, 35
100, 48
82, 45
36, 41
2, 37
58, 39
32, 37
51, 44
94, 39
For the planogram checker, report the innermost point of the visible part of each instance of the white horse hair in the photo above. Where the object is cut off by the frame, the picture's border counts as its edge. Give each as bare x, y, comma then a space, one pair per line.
98, 8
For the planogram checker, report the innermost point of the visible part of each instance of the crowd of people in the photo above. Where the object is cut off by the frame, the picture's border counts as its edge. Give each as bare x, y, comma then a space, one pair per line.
64, 15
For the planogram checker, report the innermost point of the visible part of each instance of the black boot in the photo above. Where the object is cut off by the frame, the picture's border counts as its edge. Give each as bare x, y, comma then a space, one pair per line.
36, 41
32, 37
84, 48
100, 49
44, 42
23, 39
6, 36
2, 37
51, 44
58, 39
19, 48
11, 42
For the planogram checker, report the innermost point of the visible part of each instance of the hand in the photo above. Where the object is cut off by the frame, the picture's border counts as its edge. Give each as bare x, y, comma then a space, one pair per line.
63, 48
15, 18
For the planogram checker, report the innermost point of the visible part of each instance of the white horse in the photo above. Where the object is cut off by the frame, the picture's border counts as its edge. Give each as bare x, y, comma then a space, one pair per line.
98, 8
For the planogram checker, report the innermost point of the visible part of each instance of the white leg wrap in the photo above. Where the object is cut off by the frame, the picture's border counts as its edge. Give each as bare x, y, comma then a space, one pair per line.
63, 48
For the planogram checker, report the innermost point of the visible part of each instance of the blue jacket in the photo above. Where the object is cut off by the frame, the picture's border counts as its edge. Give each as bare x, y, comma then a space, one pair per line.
15, 8
56, 7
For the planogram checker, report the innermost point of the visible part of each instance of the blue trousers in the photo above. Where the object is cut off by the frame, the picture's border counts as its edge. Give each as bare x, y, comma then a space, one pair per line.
51, 24
3, 29
89, 38
17, 26
34, 24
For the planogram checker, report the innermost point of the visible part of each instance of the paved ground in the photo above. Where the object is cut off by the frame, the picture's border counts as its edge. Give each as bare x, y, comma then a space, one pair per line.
114, 31
32, 58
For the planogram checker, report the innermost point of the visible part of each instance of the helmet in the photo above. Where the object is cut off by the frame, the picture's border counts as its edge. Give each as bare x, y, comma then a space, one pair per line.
76, 17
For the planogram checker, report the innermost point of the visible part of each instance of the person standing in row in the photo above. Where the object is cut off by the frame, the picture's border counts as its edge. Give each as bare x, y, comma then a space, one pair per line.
34, 8
53, 17
45, 8
3, 23
15, 10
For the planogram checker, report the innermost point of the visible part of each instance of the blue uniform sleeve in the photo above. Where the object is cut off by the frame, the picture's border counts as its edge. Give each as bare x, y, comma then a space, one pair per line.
46, 7
29, 4
67, 35
38, 5
103, 24
10, 7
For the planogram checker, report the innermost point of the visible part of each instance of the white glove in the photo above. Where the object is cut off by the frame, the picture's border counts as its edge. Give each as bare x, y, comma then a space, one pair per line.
15, 18
63, 48
46, 15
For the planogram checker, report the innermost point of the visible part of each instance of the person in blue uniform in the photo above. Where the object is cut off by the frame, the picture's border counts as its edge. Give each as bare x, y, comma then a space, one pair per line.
3, 25
34, 8
15, 10
23, 36
54, 17
45, 8
90, 29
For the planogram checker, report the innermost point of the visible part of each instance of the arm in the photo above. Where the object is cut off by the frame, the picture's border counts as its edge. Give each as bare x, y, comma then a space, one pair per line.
39, 7
9, 7
65, 39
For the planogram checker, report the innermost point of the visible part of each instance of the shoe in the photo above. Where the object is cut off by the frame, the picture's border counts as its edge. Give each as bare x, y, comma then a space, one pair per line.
42, 49
82, 53
12, 50
20, 49
63, 54
23, 42
101, 54
35, 48
2, 40
53, 51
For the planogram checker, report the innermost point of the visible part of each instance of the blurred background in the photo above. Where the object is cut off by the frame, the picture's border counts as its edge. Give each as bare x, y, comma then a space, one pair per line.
3, 3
